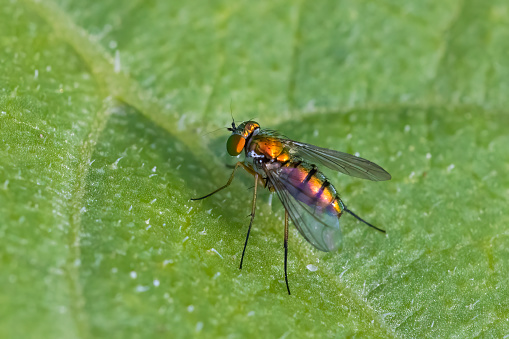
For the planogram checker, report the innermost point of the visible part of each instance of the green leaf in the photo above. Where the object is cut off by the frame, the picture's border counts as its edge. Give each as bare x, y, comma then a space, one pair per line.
104, 115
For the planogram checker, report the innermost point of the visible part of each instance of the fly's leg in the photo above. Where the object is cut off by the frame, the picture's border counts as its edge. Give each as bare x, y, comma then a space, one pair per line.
344, 208
227, 184
286, 251
362, 220
256, 177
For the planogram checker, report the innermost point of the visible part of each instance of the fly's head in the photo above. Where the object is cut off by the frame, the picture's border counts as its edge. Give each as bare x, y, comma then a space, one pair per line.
240, 135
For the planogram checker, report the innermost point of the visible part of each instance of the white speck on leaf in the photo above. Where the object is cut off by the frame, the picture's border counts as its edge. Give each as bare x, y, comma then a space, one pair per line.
216, 252
407, 128
140, 288
181, 124
116, 63
471, 306
310, 106
312, 267
199, 326
250, 314
428, 156
167, 261
153, 201
450, 167
185, 239
133, 274
341, 275
156, 283
190, 308
147, 221
387, 314
115, 164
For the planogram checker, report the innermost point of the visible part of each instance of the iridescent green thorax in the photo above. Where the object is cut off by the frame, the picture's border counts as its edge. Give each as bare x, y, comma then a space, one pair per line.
246, 128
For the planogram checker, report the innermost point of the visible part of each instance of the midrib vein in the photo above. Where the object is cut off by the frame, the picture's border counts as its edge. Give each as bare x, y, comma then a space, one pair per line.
116, 84
73, 264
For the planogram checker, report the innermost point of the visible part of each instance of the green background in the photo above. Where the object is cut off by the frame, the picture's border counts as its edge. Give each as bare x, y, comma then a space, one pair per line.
105, 110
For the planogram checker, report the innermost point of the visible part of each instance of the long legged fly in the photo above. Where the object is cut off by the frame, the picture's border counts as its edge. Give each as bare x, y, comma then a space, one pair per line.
289, 168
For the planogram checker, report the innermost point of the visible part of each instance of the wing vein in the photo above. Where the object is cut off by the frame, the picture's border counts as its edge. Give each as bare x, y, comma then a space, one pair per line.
338, 161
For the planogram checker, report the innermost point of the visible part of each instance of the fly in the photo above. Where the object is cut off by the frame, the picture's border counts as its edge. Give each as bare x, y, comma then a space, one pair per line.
290, 168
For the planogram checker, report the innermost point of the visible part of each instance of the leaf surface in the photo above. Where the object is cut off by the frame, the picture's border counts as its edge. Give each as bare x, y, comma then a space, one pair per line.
103, 111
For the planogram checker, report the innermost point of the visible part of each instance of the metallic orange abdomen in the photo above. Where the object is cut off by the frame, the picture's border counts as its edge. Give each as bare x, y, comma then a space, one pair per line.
310, 186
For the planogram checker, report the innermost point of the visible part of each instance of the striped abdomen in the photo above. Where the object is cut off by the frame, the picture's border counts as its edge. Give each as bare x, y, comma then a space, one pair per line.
309, 185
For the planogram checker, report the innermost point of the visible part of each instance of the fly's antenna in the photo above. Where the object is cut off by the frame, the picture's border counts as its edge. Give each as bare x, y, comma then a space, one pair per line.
220, 128
231, 113
362, 220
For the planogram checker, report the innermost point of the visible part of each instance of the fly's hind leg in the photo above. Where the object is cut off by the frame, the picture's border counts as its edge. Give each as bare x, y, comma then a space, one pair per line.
253, 208
357, 217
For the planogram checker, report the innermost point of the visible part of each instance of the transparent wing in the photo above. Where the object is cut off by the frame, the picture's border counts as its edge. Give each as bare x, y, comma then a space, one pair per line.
338, 161
318, 227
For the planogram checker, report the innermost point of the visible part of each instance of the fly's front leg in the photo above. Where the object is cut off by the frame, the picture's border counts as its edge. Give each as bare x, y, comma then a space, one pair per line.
253, 208
227, 184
